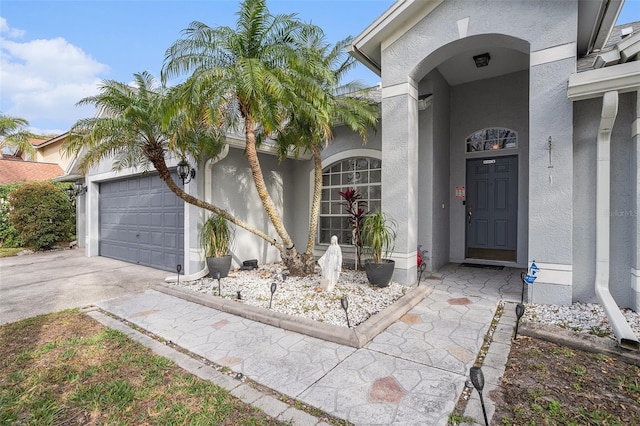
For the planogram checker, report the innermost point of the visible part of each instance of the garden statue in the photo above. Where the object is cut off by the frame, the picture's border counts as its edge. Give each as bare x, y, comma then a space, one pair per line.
331, 265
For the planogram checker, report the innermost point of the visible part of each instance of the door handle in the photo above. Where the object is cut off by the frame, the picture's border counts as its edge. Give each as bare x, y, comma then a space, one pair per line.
469, 214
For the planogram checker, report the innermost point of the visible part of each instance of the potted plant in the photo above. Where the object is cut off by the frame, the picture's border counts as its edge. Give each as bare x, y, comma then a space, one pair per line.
216, 238
378, 238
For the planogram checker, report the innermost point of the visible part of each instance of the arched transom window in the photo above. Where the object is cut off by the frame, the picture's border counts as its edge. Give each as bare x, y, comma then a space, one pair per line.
491, 139
362, 173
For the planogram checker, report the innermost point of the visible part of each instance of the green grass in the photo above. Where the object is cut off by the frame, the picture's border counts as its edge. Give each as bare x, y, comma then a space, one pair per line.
8, 252
67, 368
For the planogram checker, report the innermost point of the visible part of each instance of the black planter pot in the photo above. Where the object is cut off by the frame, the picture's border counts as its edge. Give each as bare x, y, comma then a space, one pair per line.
220, 264
379, 274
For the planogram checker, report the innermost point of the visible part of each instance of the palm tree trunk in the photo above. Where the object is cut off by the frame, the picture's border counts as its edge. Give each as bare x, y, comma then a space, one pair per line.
161, 166
261, 187
315, 203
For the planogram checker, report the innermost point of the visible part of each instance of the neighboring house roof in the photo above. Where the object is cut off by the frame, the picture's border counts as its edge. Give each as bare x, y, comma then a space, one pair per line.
36, 142
50, 140
16, 171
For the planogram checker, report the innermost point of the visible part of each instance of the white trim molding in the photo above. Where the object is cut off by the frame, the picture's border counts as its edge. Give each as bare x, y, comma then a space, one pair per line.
635, 128
405, 260
635, 286
595, 83
553, 273
463, 27
635, 280
408, 88
553, 54
554, 284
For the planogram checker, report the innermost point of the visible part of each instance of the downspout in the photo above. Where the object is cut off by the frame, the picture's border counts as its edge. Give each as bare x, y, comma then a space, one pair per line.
208, 166
623, 332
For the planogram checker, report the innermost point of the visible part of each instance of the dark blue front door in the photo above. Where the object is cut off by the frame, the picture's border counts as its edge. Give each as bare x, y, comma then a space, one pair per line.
492, 208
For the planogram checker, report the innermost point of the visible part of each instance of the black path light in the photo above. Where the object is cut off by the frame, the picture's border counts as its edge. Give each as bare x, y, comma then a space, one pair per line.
274, 287
178, 268
219, 283
520, 306
345, 305
185, 172
519, 314
477, 378
239, 295
422, 267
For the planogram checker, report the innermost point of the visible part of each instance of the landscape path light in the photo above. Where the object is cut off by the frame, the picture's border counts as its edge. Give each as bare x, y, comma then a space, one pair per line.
477, 378
274, 286
520, 306
519, 314
219, 284
345, 305
178, 268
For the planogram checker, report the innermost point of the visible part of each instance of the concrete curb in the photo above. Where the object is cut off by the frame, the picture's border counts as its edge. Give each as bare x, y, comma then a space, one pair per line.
267, 403
581, 341
355, 337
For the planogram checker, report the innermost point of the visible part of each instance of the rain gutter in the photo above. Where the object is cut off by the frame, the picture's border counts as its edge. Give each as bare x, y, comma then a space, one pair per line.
623, 332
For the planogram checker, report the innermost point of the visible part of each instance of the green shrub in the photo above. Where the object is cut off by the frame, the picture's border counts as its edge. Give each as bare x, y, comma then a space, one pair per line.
42, 213
9, 235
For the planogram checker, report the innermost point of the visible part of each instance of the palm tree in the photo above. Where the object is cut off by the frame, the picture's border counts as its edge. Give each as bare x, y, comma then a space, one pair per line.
346, 105
13, 134
139, 126
252, 76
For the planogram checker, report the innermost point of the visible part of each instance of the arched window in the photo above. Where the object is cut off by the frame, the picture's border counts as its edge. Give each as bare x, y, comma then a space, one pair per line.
491, 139
361, 173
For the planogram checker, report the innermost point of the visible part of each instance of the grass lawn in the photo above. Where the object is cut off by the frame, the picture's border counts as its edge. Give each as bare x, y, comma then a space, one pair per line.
66, 368
8, 252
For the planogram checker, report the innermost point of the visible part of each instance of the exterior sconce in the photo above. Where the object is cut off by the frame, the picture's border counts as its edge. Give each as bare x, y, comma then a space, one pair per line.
482, 60
80, 188
185, 172
77, 189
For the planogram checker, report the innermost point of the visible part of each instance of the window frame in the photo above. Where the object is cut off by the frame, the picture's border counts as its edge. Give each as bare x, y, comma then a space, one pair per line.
340, 184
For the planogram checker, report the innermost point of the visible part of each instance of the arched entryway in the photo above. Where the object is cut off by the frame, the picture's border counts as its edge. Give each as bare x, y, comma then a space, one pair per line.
473, 149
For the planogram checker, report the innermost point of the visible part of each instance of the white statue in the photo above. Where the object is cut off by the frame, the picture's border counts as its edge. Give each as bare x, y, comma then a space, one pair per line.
331, 264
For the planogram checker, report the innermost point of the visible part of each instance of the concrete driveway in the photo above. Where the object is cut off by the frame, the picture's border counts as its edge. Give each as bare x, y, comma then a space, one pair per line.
48, 282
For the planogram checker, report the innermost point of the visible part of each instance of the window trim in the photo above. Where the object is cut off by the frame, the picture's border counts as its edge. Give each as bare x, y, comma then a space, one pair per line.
332, 159
466, 143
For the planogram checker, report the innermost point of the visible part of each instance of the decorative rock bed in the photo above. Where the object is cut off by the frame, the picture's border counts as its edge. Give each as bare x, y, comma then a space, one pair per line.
301, 296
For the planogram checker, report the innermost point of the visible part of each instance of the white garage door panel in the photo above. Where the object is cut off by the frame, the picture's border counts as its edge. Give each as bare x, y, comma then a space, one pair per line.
142, 222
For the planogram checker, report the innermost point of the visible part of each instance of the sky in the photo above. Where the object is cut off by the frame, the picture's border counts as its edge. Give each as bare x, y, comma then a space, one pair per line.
55, 52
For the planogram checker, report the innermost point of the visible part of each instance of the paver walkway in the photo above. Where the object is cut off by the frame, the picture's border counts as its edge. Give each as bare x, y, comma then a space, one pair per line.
412, 373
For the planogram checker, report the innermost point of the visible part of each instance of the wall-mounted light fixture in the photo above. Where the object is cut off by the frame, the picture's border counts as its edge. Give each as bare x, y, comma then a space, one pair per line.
77, 189
185, 172
482, 60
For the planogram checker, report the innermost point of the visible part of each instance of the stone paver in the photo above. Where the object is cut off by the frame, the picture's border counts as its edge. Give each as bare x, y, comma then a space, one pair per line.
411, 373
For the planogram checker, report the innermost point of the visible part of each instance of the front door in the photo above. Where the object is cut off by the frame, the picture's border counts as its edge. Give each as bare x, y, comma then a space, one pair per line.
492, 208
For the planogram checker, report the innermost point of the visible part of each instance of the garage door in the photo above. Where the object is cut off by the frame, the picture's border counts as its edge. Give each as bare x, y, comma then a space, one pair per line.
142, 222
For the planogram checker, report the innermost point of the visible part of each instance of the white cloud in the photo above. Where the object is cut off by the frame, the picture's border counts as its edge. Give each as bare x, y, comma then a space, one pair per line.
42, 80
10, 32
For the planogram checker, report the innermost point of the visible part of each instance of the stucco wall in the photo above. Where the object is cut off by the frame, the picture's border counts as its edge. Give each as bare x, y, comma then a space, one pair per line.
233, 189
623, 185
433, 172
497, 102
541, 23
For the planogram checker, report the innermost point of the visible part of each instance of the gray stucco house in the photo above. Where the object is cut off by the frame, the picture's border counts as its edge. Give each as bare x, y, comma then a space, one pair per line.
509, 133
